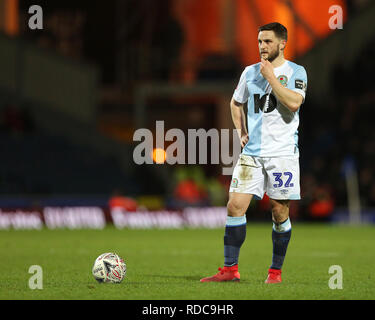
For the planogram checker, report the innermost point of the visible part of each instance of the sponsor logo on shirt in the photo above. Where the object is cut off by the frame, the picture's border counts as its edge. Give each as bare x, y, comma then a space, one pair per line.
300, 84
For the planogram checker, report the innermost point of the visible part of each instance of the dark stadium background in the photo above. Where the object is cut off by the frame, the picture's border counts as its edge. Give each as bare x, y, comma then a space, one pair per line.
73, 94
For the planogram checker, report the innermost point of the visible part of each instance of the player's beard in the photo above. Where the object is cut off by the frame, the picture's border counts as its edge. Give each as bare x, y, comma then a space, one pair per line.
273, 55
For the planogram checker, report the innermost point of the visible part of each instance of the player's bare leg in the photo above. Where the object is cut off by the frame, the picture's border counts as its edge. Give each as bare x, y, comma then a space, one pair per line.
235, 233
238, 204
281, 233
280, 210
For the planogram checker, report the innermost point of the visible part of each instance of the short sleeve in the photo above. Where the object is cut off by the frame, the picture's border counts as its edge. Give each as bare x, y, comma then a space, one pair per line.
299, 82
241, 94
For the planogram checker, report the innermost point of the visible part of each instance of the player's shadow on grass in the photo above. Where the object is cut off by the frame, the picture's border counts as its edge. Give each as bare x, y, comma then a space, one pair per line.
191, 278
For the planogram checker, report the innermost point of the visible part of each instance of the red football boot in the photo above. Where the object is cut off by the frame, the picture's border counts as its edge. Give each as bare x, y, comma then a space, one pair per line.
224, 274
274, 276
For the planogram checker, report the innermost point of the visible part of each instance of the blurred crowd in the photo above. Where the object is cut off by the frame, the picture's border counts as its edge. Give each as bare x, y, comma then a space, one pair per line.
338, 130
15, 119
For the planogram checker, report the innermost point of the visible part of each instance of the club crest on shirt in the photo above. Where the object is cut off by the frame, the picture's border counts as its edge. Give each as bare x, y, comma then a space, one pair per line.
234, 183
283, 80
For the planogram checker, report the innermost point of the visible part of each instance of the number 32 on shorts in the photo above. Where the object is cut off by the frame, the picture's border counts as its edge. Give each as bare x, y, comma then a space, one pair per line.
279, 179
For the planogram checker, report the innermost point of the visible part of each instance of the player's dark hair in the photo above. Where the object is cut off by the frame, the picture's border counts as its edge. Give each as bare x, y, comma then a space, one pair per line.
280, 31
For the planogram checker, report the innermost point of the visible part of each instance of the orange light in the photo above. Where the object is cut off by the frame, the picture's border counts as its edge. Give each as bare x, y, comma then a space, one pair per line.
11, 17
159, 155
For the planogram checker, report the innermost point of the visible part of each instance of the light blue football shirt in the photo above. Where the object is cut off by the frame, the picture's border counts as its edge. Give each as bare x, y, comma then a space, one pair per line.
272, 127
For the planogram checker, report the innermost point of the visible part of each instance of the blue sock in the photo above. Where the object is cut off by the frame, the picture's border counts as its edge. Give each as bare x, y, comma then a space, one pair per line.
235, 234
281, 233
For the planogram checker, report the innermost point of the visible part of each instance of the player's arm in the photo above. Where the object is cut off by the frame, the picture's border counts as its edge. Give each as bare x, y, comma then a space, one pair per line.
289, 98
239, 121
240, 97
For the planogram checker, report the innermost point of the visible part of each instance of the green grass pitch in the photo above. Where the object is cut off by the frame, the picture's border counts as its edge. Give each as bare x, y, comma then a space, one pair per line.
167, 264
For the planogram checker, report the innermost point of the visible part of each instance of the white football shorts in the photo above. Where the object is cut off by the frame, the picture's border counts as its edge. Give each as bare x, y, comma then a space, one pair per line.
276, 176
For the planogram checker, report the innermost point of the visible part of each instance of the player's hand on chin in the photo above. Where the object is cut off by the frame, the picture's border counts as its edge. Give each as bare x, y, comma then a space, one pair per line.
266, 69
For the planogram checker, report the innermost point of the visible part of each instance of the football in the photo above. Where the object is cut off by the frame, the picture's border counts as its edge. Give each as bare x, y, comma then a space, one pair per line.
109, 268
